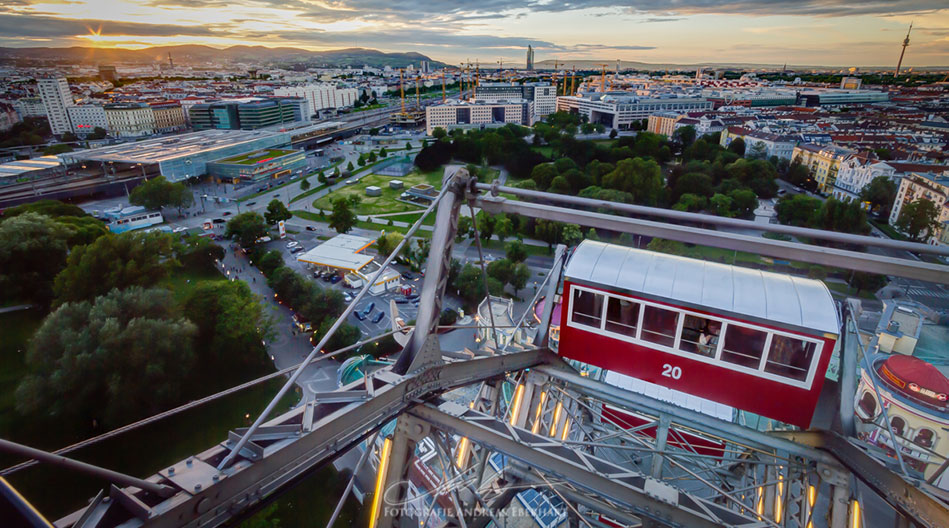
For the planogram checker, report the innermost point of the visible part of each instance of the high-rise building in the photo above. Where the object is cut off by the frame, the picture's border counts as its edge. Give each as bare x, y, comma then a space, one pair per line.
542, 94
320, 96
57, 98
247, 115
108, 73
530, 58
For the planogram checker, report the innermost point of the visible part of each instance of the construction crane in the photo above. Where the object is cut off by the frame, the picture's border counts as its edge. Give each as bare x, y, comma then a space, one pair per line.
418, 99
903, 51
603, 76
401, 90
553, 78
443, 87
477, 73
573, 78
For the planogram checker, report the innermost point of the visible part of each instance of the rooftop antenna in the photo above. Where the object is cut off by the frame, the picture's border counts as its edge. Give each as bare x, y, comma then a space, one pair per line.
903, 51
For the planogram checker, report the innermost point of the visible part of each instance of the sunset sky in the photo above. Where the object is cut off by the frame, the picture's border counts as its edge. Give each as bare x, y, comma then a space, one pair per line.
823, 32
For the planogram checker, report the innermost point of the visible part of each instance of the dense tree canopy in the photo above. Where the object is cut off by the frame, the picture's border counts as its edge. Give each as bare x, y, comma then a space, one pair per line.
33, 249
880, 193
247, 228
276, 211
125, 354
343, 219
115, 261
158, 192
919, 219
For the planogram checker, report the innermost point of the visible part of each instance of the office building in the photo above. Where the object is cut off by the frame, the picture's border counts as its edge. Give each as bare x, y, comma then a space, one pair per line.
530, 58
478, 114
130, 120
169, 116
542, 95
620, 111
320, 96
86, 118
851, 83
830, 97
930, 186
56, 98
247, 114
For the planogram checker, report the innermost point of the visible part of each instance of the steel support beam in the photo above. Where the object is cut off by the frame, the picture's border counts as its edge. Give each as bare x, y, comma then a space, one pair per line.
543, 330
907, 498
644, 497
224, 494
699, 218
689, 418
827, 256
418, 352
114, 477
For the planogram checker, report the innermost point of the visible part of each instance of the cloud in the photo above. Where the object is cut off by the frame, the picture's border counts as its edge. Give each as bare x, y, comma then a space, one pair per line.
12, 26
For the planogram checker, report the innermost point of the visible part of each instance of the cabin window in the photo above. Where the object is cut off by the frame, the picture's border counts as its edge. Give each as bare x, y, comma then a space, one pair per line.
587, 307
790, 357
924, 437
743, 346
659, 326
700, 335
622, 316
898, 424
868, 404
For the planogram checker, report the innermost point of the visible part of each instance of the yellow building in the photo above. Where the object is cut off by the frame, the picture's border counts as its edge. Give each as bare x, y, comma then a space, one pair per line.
823, 162
169, 116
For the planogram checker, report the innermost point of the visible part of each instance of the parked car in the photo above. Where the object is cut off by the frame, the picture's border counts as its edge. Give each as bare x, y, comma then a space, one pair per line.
401, 300
179, 229
408, 276
335, 278
226, 213
350, 182
412, 296
347, 298
360, 316
292, 244
311, 228
328, 277
219, 221
276, 196
251, 204
378, 317
297, 249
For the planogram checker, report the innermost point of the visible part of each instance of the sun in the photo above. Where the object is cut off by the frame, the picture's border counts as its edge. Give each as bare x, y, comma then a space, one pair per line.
94, 35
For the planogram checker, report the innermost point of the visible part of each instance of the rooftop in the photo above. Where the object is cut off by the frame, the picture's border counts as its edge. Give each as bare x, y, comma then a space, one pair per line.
170, 148
257, 156
341, 252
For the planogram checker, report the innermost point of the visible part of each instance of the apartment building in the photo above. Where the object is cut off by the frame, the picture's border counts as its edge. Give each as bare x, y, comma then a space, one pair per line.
759, 143
169, 116
823, 161
320, 96
57, 99
663, 123
86, 118
130, 120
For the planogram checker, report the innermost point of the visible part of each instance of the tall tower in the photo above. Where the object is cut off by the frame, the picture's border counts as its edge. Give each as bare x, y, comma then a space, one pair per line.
903, 51
530, 58
57, 98
171, 63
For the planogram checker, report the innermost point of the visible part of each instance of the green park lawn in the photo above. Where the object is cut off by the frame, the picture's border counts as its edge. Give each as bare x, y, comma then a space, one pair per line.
385, 203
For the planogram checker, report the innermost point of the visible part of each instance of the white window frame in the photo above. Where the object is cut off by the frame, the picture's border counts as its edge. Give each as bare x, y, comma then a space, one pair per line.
716, 361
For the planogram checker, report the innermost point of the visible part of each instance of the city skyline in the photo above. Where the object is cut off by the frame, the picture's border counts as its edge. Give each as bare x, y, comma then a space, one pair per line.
812, 32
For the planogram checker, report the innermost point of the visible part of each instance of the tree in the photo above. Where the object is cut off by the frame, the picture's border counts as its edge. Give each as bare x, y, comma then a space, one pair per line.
744, 201
737, 146
231, 326
841, 216
321, 177
591, 234
386, 243
516, 251
343, 218
383, 152
548, 231
721, 205
372, 156
560, 185
469, 284
362, 160
866, 281
116, 261
464, 227
350, 167
502, 270
158, 192
693, 183
691, 203
662, 245
199, 253
336, 172
880, 193
796, 209
439, 133
408, 145
613, 133
520, 276
276, 211
247, 227
571, 235
543, 175
919, 219
639, 177
269, 263
305, 184
758, 151
33, 249
685, 136
503, 227
123, 355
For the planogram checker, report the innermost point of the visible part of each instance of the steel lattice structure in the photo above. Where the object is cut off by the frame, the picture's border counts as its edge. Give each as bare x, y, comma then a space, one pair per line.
552, 431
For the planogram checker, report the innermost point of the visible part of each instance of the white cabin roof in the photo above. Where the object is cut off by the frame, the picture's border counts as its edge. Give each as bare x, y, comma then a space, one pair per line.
760, 295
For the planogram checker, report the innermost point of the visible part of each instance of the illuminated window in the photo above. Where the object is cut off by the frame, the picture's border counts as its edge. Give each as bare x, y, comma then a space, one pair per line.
790, 357
587, 307
700, 335
622, 316
659, 326
743, 346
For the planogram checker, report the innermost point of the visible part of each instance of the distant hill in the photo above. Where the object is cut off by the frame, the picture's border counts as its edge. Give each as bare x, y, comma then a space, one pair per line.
193, 54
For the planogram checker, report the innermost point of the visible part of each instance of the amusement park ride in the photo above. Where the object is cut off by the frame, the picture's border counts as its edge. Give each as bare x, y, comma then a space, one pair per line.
559, 418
